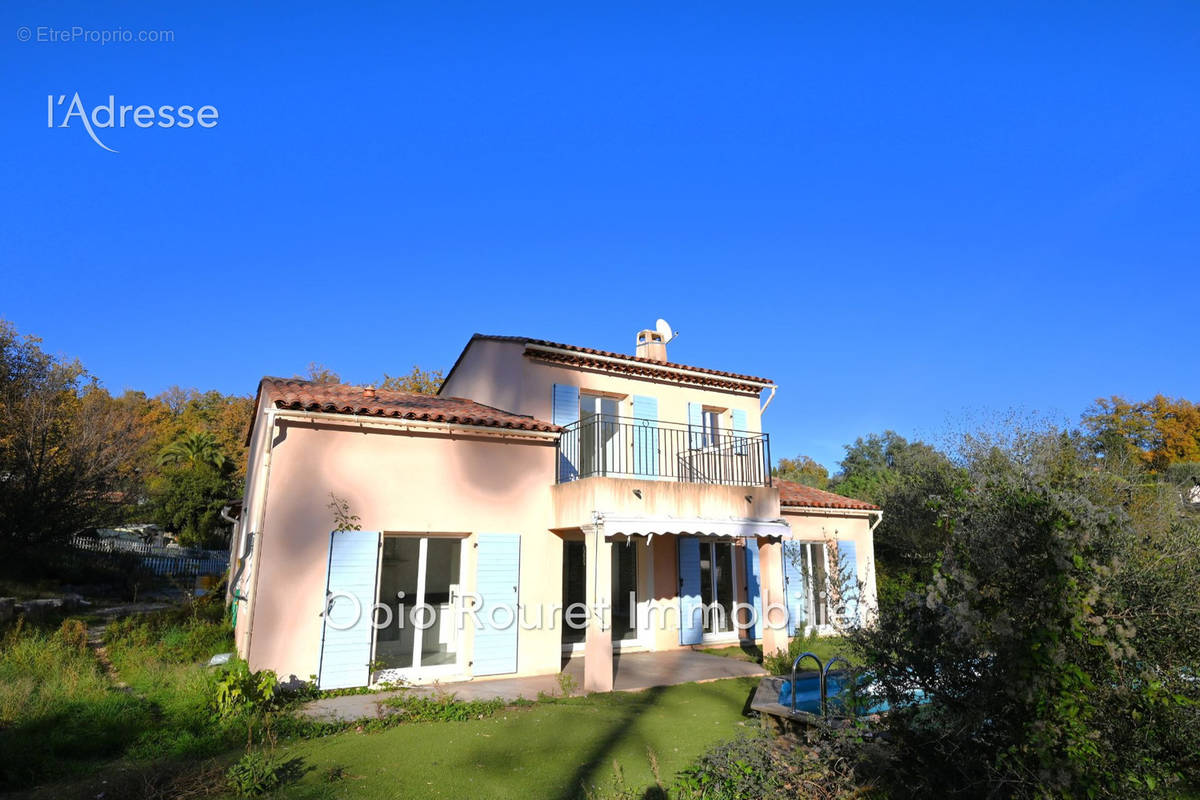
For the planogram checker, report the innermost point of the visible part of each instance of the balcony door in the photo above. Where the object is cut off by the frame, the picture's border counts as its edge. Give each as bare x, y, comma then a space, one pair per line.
599, 435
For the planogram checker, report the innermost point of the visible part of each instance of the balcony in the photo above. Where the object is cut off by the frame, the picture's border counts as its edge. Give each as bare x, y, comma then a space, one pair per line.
600, 445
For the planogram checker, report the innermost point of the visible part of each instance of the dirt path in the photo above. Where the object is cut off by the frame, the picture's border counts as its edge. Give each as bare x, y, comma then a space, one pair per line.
95, 636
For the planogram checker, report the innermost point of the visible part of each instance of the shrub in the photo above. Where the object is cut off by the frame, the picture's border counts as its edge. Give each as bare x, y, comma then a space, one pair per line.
761, 767
237, 689
442, 709
1053, 644
257, 773
73, 634
780, 662
742, 769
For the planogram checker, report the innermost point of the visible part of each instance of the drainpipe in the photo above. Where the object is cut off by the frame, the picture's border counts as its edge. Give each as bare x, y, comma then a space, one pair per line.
230, 591
256, 560
770, 397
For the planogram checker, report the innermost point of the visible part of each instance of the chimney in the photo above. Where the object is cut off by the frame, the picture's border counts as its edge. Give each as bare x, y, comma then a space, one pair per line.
368, 393
650, 345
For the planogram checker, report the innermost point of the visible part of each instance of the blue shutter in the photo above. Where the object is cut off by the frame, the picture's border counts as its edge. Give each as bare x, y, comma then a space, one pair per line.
691, 621
347, 635
754, 584
566, 412
795, 587
848, 576
645, 436
497, 577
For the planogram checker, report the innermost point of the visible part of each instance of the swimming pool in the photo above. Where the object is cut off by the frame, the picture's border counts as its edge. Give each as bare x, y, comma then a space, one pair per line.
849, 695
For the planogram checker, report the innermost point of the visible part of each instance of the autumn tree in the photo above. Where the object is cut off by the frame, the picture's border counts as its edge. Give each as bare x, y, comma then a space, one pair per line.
1159, 432
68, 449
418, 381
319, 373
802, 469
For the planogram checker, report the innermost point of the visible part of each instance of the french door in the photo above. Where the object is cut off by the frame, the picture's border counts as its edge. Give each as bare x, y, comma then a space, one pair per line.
806, 575
599, 435
718, 589
627, 600
416, 627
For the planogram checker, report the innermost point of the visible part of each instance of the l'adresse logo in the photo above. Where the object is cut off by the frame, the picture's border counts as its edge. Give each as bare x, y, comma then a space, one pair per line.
112, 115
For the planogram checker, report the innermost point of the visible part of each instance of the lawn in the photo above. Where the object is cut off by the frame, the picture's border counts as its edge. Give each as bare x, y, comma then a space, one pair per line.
592, 746
825, 647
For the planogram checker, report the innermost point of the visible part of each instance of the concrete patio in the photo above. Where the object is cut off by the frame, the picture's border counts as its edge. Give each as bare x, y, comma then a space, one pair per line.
631, 672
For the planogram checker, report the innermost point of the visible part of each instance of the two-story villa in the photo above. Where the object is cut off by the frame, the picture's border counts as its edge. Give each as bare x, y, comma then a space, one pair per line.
551, 501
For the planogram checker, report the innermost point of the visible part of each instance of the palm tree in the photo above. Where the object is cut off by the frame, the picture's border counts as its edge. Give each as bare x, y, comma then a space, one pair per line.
195, 449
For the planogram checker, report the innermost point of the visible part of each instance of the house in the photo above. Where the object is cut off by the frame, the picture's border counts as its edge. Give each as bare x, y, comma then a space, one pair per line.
550, 501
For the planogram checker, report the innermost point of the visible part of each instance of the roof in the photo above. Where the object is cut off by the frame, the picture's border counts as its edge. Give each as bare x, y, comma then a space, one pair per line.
798, 495
587, 356
339, 398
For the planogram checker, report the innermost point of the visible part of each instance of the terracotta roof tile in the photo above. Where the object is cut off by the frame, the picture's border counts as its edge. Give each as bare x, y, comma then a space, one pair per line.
797, 494
633, 363
337, 398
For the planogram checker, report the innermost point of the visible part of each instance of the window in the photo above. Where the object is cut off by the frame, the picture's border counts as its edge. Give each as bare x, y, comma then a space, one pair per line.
712, 427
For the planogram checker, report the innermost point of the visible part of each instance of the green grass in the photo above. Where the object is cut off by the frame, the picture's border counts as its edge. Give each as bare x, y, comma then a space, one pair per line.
61, 714
568, 748
825, 647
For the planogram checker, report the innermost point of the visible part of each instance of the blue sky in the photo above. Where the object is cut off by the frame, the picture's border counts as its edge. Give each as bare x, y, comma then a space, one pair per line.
902, 218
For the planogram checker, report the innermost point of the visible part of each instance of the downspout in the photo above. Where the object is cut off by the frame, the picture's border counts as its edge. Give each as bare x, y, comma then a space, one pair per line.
235, 539
871, 584
770, 397
256, 561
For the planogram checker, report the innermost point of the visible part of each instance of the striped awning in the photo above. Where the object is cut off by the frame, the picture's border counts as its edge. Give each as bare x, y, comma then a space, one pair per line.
729, 527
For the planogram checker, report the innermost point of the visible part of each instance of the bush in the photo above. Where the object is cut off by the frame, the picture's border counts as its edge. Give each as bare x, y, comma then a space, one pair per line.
1053, 644
780, 662
765, 768
257, 773
415, 708
237, 689
742, 769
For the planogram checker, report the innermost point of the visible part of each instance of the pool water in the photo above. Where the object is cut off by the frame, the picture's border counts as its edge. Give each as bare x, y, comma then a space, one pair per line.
838, 686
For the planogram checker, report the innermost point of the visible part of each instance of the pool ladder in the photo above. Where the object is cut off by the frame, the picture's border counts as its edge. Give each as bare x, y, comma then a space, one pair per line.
822, 676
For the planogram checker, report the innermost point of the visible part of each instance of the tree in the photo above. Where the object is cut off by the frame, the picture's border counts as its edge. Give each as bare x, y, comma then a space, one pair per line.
196, 449
187, 501
1159, 432
912, 482
802, 469
68, 450
1055, 644
319, 373
418, 381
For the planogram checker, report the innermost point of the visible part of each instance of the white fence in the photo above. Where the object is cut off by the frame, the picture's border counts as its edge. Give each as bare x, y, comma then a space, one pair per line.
173, 561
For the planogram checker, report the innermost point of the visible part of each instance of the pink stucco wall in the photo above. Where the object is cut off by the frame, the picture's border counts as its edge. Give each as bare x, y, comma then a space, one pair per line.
396, 483
462, 483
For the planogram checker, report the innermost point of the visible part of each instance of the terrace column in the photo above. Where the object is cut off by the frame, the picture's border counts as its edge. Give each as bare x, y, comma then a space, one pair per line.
598, 647
774, 598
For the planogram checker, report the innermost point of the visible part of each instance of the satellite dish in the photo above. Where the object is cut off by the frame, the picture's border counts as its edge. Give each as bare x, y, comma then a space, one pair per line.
664, 330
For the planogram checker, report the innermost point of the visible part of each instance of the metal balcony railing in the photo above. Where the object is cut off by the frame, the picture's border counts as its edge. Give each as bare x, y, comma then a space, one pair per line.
620, 447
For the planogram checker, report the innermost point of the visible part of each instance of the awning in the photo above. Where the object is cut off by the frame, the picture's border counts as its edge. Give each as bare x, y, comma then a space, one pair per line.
729, 527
